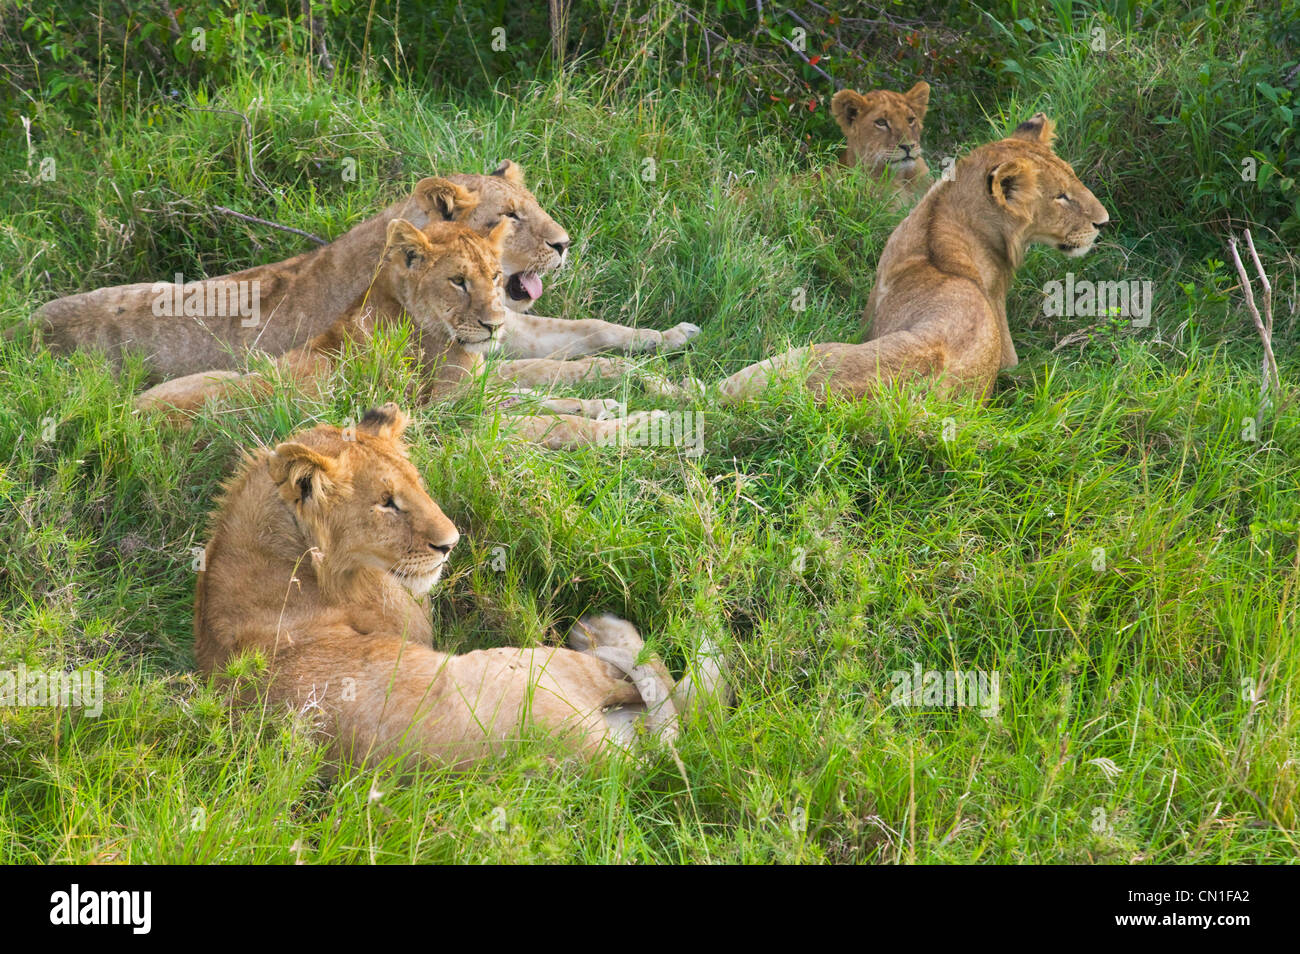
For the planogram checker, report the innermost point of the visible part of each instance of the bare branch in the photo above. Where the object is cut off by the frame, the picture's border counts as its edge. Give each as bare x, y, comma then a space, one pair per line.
275, 225
811, 29
1264, 325
803, 57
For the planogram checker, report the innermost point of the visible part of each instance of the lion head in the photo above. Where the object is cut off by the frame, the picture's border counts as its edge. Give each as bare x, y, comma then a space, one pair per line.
1035, 191
536, 244
883, 127
358, 501
447, 277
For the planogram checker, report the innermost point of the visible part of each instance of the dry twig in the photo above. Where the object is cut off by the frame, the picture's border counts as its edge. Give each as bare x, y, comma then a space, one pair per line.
275, 225
1264, 324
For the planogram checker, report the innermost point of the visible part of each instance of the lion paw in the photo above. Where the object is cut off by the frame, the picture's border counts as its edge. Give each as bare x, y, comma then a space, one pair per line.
673, 338
685, 390
603, 409
678, 336
594, 631
639, 418
598, 409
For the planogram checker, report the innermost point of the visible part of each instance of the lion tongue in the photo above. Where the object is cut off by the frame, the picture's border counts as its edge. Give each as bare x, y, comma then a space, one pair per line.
525, 285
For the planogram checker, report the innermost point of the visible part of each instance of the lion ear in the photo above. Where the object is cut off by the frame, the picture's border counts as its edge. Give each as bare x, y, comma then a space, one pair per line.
387, 422
405, 241
1038, 128
511, 172
300, 473
918, 97
846, 106
1013, 185
443, 199
497, 237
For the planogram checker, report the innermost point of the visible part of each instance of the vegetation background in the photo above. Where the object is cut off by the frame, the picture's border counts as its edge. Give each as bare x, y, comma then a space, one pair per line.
1115, 533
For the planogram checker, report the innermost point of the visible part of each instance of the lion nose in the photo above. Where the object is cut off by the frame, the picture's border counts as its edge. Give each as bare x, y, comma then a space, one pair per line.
907, 148
490, 326
1102, 224
560, 247
445, 548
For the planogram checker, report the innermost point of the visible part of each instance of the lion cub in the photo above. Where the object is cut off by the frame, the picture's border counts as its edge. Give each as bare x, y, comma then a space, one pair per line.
322, 554
883, 129
302, 296
940, 300
447, 278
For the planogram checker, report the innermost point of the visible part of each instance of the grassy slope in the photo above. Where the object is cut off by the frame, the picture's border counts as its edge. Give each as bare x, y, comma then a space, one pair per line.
826, 547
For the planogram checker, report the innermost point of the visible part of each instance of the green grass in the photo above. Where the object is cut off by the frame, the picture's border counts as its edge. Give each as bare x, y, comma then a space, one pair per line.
1099, 534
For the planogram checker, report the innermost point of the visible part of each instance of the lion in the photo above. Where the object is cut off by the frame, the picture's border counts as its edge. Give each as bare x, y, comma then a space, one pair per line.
321, 557
447, 278
883, 129
212, 324
939, 302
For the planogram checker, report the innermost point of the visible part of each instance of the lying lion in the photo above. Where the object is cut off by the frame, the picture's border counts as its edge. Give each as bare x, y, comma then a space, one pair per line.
187, 328
447, 278
939, 303
883, 129
322, 555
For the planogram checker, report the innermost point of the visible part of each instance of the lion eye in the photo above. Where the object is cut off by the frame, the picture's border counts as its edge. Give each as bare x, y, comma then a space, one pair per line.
1062, 198
459, 282
912, 120
882, 123
390, 504
513, 215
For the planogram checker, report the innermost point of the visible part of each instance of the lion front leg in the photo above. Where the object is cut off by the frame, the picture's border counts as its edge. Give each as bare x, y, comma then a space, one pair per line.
599, 409
533, 336
549, 372
568, 432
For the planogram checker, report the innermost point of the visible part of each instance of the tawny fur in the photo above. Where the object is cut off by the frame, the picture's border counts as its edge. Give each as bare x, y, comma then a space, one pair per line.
447, 279
883, 129
938, 308
301, 297
321, 557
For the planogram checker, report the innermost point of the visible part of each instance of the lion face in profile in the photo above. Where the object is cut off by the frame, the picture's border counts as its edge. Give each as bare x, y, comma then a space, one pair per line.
883, 127
448, 278
1038, 190
359, 502
535, 244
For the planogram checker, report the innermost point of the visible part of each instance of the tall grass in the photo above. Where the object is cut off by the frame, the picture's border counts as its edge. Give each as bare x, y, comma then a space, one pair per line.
1100, 534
